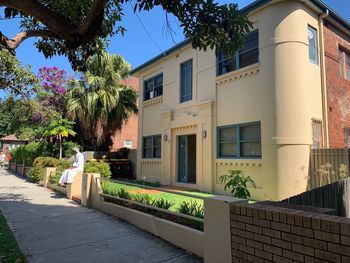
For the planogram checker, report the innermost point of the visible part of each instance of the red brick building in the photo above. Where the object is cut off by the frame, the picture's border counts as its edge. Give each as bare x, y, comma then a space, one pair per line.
337, 67
127, 137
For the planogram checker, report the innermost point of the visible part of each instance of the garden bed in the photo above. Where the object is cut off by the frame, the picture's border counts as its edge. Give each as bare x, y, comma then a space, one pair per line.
157, 193
182, 219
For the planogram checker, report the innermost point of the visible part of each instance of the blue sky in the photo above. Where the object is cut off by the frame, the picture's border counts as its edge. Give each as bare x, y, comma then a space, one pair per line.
136, 46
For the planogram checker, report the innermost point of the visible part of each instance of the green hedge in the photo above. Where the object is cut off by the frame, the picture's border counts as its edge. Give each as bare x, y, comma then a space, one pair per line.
98, 167
36, 173
31, 151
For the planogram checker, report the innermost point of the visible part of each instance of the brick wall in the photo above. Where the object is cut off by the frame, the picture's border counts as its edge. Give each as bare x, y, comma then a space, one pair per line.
261, 233
338, 88
129, 130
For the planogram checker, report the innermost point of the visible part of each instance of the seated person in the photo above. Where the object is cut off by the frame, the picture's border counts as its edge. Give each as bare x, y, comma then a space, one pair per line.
77, 167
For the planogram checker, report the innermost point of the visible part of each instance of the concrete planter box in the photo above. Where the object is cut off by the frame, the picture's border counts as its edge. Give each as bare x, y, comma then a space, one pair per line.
184, 237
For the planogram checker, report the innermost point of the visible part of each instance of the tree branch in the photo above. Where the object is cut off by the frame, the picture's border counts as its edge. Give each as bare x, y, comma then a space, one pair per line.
12, 43
50, 19
94, 18
73, 35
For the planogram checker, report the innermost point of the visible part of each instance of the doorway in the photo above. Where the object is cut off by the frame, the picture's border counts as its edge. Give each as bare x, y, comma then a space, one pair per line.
187, 159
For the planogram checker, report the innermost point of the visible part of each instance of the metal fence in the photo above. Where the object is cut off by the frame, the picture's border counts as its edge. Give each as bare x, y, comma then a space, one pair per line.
335, 195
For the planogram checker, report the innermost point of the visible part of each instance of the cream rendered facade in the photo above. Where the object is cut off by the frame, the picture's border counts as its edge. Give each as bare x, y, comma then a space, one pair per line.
282, 91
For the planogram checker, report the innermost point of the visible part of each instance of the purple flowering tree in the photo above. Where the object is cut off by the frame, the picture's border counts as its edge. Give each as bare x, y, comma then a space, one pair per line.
51, 100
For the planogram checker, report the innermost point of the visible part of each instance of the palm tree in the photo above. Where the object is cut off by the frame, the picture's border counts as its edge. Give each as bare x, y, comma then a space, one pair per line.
100, 103
60, 128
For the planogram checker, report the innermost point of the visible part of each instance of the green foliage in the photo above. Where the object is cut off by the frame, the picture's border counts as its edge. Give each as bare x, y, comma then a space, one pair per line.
98, 167
141, 182
238, 183
343, 171
36, 173
191, 208
163, 203
68, 149
29, 152
122, 193
143, 199
108, 188
9, 249
15, 115
13, 77
102, 104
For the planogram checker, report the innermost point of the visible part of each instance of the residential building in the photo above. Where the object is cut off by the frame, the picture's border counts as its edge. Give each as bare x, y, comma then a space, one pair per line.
127, 136
260, 111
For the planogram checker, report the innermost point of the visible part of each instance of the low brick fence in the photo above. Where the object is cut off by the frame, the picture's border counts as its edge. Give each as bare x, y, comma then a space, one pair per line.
262, 233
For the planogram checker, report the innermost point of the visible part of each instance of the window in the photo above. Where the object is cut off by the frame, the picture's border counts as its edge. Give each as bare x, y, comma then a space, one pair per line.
344, 63
152, 146
313, 45
240, 141
128, 144
153, 87
247, 55
347, 137
317, 138
186, 81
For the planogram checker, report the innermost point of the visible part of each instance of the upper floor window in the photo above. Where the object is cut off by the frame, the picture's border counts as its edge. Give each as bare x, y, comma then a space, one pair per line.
240, 141
344, 63
313, 45
247, 55
317, 138
151, 147
186, 81
153, 87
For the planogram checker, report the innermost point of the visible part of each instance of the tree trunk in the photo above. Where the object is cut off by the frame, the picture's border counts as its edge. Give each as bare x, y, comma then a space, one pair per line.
60, 138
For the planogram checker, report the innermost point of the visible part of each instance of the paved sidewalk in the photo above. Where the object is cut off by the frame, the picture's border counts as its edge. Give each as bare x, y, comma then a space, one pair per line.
51, 228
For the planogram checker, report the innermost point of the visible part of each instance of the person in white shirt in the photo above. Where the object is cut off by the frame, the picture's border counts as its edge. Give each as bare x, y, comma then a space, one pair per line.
77, 167
2, 159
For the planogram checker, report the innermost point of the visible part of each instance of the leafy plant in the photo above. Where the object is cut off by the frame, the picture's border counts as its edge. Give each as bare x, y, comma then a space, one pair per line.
326, 173
122, 193
98, 167
237, 183
191, 208
143, 199
343, 171
163, 203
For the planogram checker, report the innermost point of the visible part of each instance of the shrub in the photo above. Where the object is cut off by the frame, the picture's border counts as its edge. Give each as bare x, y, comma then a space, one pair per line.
163, 203
122, 193
238, 183
191, 208
143, 199
36, 173
68, 149
98, 167
31, 151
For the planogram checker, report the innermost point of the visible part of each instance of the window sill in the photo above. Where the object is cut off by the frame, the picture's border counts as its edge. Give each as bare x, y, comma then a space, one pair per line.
238, 74
151, 102
253, 162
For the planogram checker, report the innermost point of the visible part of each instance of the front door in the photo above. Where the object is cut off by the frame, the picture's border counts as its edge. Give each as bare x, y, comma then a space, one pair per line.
187, 159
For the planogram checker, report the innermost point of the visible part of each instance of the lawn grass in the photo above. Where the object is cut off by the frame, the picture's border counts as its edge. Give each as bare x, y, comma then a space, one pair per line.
176, 198
9, 250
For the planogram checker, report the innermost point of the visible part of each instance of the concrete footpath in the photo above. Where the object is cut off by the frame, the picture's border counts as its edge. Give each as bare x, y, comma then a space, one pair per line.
51, 228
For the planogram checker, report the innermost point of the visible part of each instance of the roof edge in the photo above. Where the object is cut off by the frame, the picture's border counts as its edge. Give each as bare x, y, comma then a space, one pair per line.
247, 9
